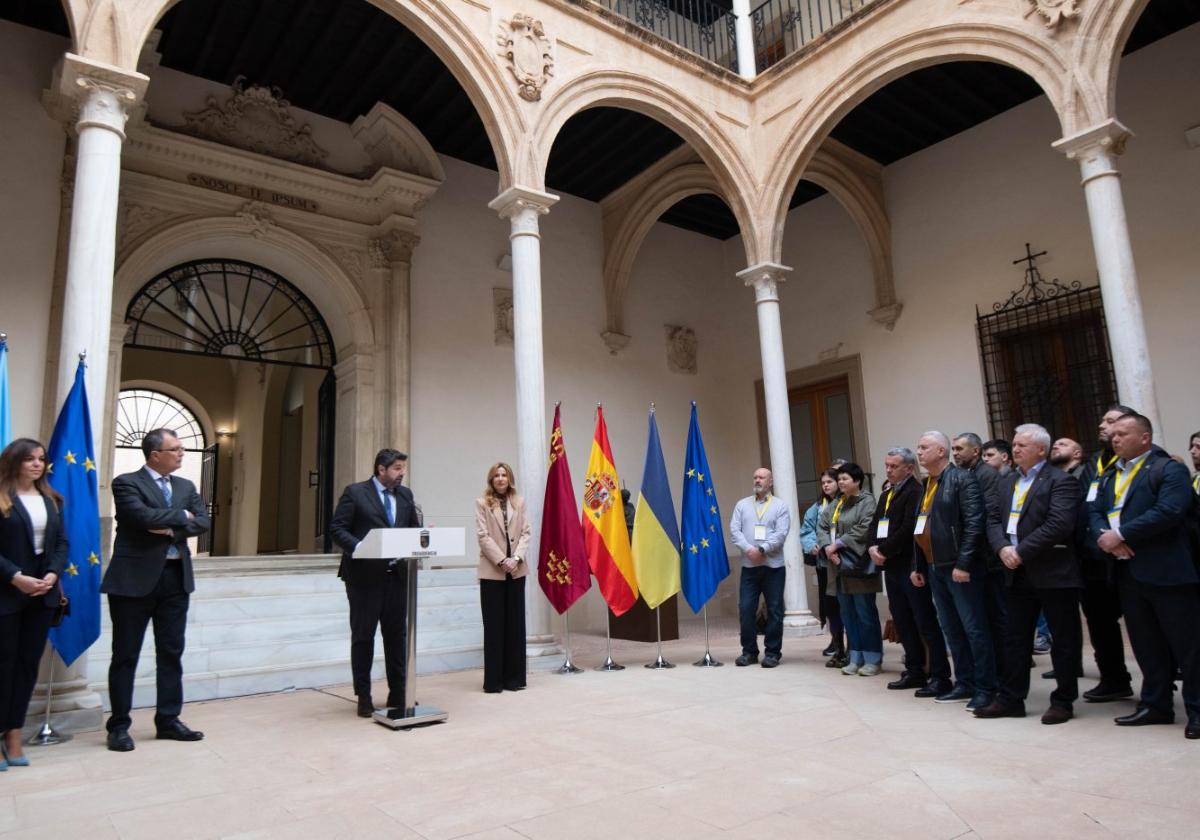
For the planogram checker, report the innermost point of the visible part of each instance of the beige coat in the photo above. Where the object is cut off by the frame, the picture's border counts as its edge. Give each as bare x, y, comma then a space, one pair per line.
490, 526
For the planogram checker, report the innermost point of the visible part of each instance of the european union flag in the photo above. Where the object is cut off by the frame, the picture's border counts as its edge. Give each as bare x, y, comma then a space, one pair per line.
705, 563
73, 474
5, 407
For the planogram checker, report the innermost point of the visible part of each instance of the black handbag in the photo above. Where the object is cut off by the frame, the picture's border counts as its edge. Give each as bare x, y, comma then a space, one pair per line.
61, 610
855, 565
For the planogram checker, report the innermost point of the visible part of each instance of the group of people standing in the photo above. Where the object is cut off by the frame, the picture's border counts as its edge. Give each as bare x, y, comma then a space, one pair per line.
982, 555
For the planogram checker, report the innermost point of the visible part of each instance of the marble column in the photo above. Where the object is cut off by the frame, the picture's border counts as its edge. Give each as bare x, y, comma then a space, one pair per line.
1096, 149
744, 39
765, 279
391, 254
522, 207
95, 99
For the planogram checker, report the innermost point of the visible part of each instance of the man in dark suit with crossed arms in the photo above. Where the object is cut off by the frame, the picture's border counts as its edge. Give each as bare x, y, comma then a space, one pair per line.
1032, 532
149, 578
1139, 517
376, 589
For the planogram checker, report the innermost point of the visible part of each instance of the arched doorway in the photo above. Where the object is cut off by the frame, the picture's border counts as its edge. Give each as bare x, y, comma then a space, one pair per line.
256, 354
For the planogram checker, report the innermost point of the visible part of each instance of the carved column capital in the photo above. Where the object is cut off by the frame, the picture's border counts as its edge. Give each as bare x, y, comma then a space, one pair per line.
395, 246
765, 277
887, 315
89, 94
522, 206
1096, 148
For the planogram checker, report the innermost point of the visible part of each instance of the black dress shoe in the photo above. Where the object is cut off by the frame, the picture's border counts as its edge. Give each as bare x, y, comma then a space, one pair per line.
366, 706
119, 740
770, 661
907, 681
935, 688
959, 694
830, 650
176, 730
998, 709
514, 686
1057, 714
1048, 675
1145, 716
488, 690
838, 660
1192, 730
1105, 693
746, 659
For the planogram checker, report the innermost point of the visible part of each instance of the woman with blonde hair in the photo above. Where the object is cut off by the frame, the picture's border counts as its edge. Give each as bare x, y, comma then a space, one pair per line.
33, 552
503, 534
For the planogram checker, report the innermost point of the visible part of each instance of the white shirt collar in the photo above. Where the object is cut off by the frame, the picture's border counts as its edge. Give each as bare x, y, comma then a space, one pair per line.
154, 475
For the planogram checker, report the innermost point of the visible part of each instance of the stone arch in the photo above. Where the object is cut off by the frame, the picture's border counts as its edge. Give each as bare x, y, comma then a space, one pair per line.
1103, 34
1073, 100
114, 33
299, 260
622, 89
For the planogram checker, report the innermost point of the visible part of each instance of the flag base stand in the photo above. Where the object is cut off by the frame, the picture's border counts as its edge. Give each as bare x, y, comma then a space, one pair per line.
707, 661
47, 735
609, 665
418, 715
659, 663
568, 667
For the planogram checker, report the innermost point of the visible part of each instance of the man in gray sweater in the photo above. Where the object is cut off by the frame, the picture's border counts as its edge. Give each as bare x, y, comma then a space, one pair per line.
759, 526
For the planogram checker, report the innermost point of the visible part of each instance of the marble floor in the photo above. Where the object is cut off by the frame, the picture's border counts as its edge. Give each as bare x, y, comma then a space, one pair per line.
799, 751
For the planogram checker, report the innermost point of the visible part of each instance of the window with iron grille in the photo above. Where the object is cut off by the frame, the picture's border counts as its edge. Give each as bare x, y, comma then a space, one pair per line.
1046, 357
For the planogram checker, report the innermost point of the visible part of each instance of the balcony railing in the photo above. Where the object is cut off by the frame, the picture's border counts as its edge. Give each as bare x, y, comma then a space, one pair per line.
701, 26
783, 26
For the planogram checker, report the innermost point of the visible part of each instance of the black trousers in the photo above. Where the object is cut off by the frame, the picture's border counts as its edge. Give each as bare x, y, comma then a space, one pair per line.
379, 603
502, 603
1164, 628
166, 607
22, 640
1061, 607
829, 609
997, 614
1102, 608
916, 621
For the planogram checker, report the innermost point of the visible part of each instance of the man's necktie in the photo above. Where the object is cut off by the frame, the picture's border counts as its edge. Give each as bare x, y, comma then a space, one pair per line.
165, 484
388, 507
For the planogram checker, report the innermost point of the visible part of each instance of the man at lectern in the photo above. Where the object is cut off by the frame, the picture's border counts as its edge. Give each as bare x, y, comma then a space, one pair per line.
376, 589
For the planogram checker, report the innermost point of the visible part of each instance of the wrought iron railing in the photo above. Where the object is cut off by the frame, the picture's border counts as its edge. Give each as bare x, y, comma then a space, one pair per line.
783, 26
701, 26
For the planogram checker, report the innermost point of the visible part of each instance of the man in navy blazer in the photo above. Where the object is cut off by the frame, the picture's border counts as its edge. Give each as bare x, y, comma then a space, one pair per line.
1139, 517
149, 578
376, 589
1032, 532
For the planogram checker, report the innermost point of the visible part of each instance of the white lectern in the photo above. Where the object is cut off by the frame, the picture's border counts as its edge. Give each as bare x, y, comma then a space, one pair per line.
410, 546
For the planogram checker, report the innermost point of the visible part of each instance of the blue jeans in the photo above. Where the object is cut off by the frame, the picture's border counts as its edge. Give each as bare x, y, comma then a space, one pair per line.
862, 628
962, 613
768, 582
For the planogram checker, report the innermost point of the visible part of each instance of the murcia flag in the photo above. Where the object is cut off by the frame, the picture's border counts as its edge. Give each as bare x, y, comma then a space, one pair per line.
562, 559
604, 533
655, 534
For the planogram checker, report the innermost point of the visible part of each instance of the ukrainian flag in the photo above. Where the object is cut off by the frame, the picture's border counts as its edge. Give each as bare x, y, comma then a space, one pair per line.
655, 533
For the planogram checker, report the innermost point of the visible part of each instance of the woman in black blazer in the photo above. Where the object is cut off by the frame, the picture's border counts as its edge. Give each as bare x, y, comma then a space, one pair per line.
33, 551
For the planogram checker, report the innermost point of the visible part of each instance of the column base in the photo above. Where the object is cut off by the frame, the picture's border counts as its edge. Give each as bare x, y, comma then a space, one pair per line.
542, 647
801, 623
79, 710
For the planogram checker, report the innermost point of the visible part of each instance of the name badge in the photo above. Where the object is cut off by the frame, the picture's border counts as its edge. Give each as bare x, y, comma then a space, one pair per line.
760, 533
1093, 490
1014, 517
922, 518
881, 531
833, 534
1114, 519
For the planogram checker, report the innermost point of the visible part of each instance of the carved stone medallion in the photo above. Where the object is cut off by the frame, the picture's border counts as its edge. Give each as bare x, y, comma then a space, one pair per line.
681, 349
529, 54
1054, 12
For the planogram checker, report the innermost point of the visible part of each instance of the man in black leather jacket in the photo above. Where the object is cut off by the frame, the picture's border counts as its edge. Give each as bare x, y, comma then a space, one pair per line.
949, 555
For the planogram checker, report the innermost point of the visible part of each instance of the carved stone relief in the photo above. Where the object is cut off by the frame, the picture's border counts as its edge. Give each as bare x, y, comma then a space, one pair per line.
257, 218
502, 315
393, 247
256, 119
681, 349
1053, 12
528, 53
352, 259
139, 219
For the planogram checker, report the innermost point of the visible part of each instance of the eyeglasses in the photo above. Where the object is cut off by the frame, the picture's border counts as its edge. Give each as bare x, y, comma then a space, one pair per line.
172, 449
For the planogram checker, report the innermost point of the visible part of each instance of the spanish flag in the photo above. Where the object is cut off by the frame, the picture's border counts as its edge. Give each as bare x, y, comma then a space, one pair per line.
604, 533
655, 534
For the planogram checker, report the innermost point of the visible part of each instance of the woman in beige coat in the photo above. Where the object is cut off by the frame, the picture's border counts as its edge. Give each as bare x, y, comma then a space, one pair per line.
503, 540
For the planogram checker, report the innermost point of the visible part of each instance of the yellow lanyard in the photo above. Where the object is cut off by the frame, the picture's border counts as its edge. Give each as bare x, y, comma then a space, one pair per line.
759, 511
1120, 489
1101, 467
837, 511
930, 489
1196, 483
1018, 503
887, 503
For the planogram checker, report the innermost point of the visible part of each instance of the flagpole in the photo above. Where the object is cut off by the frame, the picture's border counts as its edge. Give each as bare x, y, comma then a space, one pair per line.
48, 735
708, 661
659, 663
568, 667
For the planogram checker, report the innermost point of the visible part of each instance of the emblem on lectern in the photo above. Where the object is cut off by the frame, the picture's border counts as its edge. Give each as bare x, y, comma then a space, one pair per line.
424, 539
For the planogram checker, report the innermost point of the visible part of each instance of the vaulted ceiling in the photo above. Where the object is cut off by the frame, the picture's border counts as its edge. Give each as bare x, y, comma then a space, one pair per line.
338, 57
